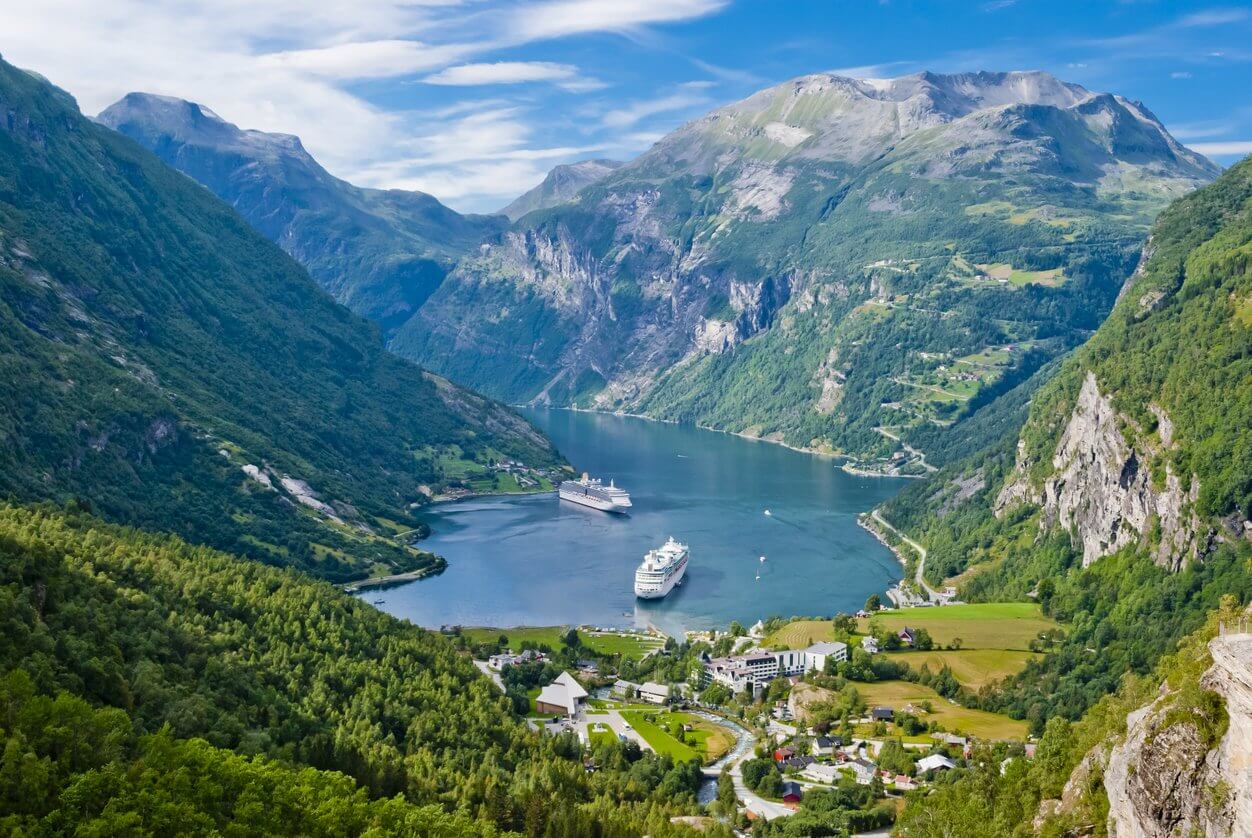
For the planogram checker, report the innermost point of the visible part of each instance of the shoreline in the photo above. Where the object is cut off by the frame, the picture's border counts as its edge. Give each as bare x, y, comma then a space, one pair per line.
812, 452
394, 578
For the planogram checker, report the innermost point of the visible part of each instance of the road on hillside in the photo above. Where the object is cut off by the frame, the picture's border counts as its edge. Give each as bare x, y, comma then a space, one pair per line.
921, 552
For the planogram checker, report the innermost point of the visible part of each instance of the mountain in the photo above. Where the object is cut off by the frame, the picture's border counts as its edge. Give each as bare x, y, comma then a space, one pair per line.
379, 252
831, 262
561, 185
169, 367
1124, 504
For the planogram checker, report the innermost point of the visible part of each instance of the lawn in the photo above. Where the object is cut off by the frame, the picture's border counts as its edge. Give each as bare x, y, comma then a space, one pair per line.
599, 733
801, 634
992, 625
539, 635
706, 741
962, 720
972, 667
628, 645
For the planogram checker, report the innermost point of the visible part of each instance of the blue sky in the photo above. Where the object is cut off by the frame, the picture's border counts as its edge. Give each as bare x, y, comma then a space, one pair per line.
473, 100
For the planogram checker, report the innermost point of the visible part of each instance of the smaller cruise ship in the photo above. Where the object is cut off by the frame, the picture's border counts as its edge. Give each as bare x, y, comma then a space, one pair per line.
589, 491
662, 570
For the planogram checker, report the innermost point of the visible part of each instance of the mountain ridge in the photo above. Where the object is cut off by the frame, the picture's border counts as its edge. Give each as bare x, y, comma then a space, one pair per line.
771, 235
379, 252
169, 367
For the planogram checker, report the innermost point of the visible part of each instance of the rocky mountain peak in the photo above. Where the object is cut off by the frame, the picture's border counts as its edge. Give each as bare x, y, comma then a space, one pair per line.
149, 118
562, 184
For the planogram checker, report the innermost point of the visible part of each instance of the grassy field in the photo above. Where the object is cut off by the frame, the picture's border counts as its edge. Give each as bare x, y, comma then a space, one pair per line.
706, 741
972, 667
993, 625
630, 646
599, 733
801, 634
898, 694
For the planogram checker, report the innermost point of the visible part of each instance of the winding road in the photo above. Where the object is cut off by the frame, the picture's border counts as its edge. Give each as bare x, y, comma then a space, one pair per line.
918, 577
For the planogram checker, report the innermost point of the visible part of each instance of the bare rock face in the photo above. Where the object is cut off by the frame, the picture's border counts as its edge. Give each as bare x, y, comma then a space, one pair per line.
1162, 781
1102, 491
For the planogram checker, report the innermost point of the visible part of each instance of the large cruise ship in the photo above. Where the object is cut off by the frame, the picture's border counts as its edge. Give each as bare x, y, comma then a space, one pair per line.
662, 570
591, 492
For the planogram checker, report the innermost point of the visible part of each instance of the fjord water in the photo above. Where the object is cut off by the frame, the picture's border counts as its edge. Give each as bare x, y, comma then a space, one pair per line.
535, 560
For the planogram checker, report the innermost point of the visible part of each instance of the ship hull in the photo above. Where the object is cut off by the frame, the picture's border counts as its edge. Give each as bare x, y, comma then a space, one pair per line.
583, 499
675, 579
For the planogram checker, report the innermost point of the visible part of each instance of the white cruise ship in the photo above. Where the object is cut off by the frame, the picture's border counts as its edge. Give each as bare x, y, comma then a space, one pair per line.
589, 491
662, 570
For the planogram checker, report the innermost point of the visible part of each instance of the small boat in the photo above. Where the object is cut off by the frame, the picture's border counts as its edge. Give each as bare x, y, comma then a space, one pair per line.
762, 560
758, 577
771, 514
379, 601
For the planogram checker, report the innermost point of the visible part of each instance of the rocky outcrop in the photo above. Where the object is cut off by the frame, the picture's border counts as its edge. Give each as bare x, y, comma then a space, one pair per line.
1163, 780
1101, 487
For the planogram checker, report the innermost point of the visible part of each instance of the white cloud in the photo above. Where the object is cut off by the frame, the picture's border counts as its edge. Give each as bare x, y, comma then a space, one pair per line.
514, 72
686, 97
1221, 148
1212, 17
558, 18
289, 66
366, 59
1200, 130
1180, 74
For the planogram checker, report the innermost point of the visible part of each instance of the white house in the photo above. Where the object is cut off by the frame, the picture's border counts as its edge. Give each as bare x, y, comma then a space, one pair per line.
822, 773
870, 644
760, 667
815, 656
625, 689
934, 762
863, 770
653, 692
824, 746
564, 695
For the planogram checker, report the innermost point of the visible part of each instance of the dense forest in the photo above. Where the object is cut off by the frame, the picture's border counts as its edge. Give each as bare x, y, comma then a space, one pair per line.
152, 345
138, 668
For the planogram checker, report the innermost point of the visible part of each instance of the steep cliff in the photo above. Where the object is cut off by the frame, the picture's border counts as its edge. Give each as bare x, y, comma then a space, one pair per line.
1103, 491
1184, 770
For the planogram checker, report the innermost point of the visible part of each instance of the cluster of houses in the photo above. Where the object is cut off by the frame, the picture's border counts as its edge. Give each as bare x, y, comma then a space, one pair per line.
500, 661
829, 760
754, 670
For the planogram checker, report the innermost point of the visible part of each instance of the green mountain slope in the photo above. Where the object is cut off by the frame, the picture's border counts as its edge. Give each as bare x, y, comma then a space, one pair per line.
169, 365
149, 685
824, 259
1125, 504
379, 252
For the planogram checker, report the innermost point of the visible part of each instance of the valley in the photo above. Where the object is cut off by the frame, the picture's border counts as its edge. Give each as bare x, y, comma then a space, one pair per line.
943, 381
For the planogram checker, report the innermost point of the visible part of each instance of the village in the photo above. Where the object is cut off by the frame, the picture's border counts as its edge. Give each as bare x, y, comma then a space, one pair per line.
870, 707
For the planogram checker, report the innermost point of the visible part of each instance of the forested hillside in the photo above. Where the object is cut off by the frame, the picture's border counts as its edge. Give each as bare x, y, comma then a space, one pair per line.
157, 686
380, 252
835, 263
168, 364
1124, 507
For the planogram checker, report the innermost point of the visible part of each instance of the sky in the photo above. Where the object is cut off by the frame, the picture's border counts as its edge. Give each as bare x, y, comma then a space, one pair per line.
474, 101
